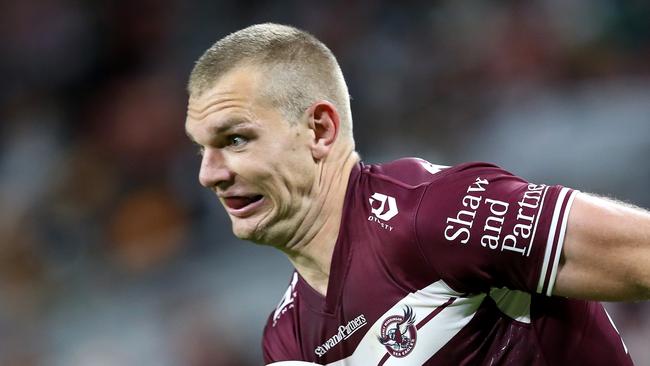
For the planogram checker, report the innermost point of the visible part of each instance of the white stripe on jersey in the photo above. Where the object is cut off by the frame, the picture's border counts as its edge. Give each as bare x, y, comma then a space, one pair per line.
560, 244
430, 337
551, 238
456, 313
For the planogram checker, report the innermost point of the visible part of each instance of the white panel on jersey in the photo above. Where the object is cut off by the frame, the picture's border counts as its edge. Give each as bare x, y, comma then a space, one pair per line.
430, 337
291, 363
513, 303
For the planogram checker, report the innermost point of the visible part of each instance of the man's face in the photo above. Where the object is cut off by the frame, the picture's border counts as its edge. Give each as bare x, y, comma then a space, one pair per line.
259, 165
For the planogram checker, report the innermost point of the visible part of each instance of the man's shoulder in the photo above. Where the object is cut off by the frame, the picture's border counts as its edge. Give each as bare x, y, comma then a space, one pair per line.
414, 172
406, 171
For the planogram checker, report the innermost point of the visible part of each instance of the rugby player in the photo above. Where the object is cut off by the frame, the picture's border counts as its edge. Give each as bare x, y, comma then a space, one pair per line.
407, 262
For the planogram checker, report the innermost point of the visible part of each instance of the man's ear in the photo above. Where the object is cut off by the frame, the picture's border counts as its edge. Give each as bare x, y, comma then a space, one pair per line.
325, 123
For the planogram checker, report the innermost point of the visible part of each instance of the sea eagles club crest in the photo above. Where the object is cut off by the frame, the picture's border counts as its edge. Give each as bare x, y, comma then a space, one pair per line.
398, 333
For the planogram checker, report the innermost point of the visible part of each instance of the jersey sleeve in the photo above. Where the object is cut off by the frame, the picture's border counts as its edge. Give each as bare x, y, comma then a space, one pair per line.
480, 227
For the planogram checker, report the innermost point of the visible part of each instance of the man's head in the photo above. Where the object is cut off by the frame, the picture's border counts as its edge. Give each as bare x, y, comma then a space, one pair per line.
297, 68
269, 109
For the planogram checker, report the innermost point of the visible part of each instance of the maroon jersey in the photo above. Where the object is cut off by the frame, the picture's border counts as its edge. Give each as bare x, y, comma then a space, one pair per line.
444, 266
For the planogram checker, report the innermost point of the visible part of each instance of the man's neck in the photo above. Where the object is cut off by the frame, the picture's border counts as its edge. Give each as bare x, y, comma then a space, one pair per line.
312, 247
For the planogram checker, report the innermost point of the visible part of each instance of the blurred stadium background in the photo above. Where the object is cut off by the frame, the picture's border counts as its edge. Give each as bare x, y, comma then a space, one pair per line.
112, 254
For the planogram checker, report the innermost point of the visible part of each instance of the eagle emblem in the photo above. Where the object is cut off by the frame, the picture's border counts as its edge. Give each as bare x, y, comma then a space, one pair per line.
398, 333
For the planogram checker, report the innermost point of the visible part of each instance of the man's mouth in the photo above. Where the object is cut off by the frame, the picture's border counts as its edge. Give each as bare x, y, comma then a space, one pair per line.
240, 202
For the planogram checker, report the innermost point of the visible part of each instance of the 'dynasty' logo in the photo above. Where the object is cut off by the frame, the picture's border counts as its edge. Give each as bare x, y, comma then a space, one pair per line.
398, 333
387, 208
382, 208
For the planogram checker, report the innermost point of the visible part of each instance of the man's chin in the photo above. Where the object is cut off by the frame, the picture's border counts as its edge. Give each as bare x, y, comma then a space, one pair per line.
247, 231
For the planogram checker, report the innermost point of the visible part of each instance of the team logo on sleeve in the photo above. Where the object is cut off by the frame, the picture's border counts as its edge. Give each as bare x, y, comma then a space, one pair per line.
382, 209
398, 333
386, 208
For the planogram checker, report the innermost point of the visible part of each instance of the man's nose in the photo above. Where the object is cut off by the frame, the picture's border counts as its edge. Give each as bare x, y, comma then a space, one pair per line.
214, 170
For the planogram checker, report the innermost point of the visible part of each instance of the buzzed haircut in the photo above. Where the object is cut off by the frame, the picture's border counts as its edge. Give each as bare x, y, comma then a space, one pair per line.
299, 69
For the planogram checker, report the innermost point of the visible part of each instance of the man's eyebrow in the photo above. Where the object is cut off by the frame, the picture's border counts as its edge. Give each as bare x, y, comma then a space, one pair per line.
223, 127
230, 124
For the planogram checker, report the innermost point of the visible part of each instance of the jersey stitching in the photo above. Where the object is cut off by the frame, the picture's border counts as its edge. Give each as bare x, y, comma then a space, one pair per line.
415, 231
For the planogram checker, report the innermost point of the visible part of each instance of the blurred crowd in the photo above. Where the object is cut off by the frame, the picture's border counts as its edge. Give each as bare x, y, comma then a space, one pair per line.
112, 254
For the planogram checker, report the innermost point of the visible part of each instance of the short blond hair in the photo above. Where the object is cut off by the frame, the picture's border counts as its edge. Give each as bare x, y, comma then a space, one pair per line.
299, 69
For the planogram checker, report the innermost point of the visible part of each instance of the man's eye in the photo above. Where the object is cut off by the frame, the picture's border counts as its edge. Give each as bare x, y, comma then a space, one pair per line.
236, 140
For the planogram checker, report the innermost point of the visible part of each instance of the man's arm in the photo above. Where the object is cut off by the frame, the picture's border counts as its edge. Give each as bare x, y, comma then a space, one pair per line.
606, 253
